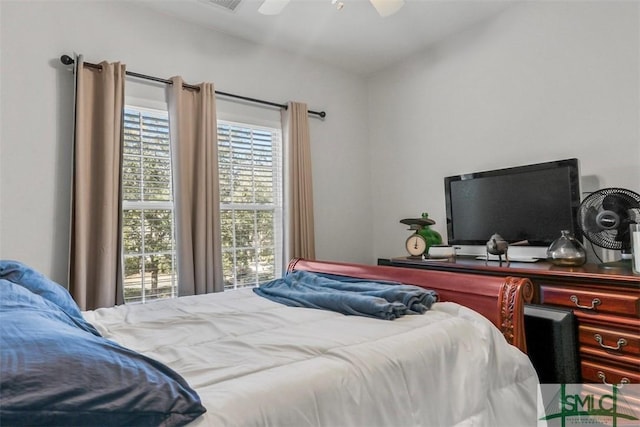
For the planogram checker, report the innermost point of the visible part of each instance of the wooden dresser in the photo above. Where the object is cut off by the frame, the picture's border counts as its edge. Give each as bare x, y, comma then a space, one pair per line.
606, 304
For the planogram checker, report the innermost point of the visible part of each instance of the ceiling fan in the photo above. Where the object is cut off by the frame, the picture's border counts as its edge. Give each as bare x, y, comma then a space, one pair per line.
384, 7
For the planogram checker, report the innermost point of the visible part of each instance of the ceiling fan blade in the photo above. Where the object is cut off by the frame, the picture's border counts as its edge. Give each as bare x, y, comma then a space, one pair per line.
272, 7
387, 7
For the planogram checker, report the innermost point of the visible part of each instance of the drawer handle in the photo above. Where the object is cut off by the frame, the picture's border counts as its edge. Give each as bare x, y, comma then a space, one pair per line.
603, 377
594, 303
621, 343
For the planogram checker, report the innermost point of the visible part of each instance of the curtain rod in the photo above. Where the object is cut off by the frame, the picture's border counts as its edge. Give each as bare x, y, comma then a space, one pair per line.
67, 60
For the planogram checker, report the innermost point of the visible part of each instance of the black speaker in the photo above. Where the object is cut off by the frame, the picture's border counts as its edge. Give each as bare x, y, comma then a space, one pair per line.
552, 344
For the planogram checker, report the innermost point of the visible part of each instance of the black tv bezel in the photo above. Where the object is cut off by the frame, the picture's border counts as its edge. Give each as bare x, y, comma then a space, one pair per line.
574, 181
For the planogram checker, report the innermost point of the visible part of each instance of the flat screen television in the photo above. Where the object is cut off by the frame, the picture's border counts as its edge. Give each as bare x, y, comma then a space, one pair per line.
527, 204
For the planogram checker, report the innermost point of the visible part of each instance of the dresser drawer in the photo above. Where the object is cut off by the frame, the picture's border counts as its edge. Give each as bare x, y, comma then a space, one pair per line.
589, 301
623, 361
612, 341
596, 372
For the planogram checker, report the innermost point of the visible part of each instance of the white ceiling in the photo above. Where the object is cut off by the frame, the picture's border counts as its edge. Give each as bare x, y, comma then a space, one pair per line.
355, 38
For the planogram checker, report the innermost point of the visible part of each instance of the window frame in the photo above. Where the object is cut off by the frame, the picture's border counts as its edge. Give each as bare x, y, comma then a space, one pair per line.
278, 204
277, 207
161, 109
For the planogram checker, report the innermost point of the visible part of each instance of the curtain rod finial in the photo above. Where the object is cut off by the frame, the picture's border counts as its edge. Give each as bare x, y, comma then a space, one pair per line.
66, 60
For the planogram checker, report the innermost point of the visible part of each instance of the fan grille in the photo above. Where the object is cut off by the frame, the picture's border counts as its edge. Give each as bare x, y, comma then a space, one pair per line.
604, 217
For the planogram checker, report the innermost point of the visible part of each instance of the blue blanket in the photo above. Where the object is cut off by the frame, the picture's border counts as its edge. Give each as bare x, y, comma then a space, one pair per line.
384, 300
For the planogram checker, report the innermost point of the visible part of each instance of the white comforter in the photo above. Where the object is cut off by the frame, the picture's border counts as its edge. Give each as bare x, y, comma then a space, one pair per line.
255, 362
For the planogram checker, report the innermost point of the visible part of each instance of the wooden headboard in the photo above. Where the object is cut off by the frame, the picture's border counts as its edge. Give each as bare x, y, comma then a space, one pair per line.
501, 300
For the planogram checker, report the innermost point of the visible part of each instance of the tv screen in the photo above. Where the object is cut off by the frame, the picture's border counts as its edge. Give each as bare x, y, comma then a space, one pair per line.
530, 203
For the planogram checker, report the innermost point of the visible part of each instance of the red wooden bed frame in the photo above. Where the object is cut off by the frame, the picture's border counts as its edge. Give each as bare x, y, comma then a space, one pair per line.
499, 299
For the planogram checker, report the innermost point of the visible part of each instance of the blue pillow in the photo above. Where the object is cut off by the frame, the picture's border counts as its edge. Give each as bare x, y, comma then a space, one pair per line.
38, 283
57, 373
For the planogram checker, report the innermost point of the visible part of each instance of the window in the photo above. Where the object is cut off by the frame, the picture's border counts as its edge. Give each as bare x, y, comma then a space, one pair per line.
250, 160
147, 202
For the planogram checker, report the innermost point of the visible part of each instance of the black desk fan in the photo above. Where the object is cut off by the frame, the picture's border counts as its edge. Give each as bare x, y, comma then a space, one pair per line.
604, 217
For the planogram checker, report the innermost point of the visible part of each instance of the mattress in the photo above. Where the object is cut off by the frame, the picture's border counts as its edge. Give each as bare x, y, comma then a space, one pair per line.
255, 362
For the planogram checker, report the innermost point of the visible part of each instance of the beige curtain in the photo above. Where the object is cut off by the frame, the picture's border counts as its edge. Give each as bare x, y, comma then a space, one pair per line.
95, 276
300, 228
194, 154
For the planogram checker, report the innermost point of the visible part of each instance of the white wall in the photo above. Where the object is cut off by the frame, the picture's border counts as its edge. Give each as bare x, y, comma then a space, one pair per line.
542, 81
36, 113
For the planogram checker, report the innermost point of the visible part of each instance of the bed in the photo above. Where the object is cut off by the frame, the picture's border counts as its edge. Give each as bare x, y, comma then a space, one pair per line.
239, 359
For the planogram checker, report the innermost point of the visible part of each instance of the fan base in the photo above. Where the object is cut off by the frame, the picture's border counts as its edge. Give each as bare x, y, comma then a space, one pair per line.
623, 264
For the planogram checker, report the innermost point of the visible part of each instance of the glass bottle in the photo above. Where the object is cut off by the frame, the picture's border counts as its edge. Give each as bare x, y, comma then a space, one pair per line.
566, 251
